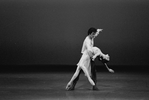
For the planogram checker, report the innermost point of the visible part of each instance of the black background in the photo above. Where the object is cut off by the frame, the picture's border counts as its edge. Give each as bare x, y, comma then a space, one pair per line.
52, 31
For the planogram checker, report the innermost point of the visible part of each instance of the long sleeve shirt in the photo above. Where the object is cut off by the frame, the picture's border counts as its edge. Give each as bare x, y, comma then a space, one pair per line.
87, 45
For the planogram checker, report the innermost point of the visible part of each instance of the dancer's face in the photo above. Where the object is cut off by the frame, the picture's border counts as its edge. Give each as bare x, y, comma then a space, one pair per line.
95, 34
92, 35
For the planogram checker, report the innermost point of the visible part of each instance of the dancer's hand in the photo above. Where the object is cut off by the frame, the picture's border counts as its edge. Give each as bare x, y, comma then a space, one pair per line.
93, 58
98, 30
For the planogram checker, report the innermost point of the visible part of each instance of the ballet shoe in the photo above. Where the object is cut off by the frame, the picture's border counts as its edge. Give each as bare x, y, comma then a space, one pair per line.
95, 88
69, 88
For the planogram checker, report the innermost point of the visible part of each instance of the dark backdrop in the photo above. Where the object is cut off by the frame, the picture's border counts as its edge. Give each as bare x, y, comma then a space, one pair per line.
52, 31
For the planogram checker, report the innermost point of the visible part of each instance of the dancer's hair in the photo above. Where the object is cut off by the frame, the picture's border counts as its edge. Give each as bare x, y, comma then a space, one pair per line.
92, 29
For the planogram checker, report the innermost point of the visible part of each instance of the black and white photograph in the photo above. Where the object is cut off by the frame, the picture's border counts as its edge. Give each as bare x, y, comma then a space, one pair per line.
74, 49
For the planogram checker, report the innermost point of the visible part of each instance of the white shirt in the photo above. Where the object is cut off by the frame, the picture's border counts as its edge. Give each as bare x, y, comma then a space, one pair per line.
84, 62
87, 44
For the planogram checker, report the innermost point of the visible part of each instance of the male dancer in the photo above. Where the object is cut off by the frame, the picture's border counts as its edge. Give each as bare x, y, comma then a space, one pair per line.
87, 46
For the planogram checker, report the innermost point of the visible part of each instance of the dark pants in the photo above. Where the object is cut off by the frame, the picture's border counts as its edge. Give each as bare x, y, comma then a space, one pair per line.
93, 72
93, 75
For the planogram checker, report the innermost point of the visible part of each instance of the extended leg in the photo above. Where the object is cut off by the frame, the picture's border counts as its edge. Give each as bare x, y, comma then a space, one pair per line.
74, 79
74, 82
88, 76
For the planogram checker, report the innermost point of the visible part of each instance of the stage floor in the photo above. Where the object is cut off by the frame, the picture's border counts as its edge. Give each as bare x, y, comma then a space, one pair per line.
51, 86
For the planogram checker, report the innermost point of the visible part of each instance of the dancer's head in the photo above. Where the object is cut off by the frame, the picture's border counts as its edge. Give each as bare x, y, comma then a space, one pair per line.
93, 32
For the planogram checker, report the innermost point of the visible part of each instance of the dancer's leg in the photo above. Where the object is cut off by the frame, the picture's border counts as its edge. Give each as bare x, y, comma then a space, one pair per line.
93, 72
74, 82
75, 74
88, 76
70, 84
